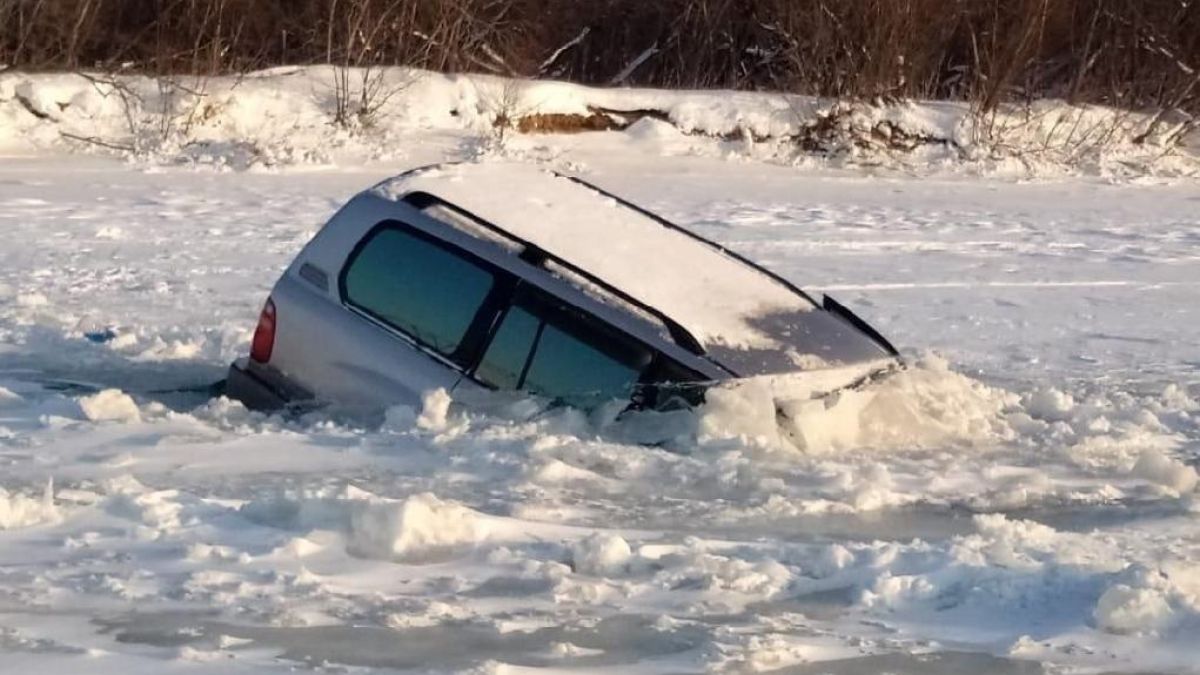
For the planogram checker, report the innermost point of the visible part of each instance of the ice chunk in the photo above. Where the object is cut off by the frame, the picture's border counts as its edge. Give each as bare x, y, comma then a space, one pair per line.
746, 410
18, 510
110, 405
1154, 466
1129, 610
1050, 404
31, 300
435, 409
418, 528
602, 554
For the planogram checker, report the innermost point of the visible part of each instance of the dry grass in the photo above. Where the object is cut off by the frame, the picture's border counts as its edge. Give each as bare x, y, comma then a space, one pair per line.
561, 123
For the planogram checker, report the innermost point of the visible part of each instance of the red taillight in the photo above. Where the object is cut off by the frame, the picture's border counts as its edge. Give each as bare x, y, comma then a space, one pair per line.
264, 334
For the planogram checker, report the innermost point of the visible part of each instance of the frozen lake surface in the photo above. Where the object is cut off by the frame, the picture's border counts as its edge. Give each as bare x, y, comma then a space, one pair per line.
1021, 500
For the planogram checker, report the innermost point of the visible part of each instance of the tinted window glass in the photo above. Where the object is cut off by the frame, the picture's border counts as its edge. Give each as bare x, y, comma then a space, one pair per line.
801, 336
504, 361
417, 286
581, 371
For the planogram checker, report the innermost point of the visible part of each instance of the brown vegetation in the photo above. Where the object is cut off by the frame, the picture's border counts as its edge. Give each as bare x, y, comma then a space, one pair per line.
562, 123
1127, 53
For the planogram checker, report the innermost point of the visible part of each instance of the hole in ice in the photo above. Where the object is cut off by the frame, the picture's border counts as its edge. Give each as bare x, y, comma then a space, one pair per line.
181, 398
93, 358
617, 640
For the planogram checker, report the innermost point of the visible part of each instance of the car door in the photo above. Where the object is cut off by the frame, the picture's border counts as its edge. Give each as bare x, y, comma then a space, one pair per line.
544, 346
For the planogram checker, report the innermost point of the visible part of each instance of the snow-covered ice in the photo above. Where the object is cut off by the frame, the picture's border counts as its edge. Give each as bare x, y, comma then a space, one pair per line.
1023, 497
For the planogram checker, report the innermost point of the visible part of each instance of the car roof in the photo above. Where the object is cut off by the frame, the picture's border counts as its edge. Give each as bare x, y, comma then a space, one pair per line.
718, 297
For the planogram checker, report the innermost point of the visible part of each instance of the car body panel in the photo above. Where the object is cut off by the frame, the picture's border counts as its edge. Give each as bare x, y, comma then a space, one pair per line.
338, 353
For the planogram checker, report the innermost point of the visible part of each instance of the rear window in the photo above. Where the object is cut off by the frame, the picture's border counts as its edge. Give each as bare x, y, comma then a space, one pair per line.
560, 354
417, 285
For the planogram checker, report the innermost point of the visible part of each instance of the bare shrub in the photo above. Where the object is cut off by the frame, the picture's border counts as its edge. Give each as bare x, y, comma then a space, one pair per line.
353, 28
505, 107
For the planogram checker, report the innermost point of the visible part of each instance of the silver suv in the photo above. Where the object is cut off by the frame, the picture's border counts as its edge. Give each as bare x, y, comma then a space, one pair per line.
499, 276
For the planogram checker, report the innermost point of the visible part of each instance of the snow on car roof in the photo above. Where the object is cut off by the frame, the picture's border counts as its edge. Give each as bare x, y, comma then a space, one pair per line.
716, 297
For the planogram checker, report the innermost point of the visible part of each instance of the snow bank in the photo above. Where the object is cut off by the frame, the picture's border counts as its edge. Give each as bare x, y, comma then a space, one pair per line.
928, 407
284, 115
744, 411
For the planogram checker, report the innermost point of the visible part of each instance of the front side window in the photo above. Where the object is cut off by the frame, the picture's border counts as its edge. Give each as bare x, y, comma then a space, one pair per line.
579, 371
546, 350
418, 286
504, 363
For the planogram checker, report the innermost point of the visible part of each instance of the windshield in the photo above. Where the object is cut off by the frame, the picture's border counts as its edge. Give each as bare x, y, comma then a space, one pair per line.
809, 340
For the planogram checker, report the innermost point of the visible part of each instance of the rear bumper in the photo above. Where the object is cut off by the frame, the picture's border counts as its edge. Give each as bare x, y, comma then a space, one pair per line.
261, 387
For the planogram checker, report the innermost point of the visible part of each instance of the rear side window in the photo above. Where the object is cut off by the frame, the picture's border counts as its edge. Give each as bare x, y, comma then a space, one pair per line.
417, 285
563, 355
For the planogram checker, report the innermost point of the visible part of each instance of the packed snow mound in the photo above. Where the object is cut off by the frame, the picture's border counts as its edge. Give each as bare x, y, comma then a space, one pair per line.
1014, 576
924, 405
929, 407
